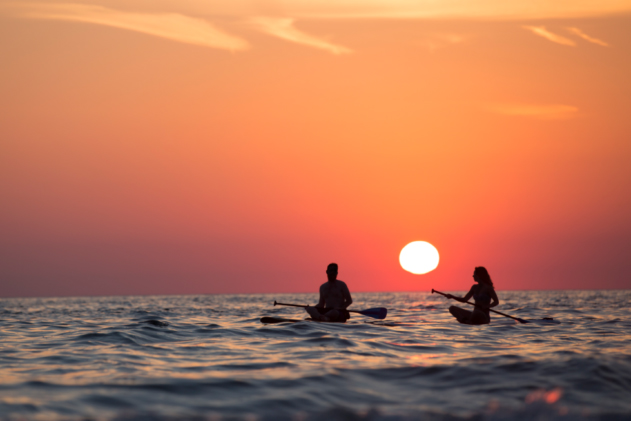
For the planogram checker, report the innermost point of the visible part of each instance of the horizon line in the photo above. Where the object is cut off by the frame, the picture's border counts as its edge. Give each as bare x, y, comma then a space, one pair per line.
315, 292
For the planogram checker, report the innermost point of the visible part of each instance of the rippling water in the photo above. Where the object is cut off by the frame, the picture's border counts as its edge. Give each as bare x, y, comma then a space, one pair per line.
209, 357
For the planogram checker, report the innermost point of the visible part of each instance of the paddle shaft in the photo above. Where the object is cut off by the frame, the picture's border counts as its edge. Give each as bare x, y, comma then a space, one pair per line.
490, 309
299, 305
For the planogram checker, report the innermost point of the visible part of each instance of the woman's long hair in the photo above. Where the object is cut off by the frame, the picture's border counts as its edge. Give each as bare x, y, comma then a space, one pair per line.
484, 276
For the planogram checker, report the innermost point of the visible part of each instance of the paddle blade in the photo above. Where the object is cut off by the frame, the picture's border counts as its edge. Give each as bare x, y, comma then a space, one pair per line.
377, 313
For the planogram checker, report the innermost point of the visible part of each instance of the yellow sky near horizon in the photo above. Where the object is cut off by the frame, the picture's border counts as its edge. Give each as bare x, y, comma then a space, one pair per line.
290, 134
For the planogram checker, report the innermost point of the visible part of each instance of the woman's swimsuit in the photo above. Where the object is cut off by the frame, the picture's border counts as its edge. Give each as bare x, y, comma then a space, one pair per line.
483, 298
480, 314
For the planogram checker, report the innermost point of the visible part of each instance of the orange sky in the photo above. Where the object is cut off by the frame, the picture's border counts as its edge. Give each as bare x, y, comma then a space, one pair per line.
179, 147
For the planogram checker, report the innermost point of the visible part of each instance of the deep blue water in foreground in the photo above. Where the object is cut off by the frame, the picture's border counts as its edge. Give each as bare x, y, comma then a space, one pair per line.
209, 357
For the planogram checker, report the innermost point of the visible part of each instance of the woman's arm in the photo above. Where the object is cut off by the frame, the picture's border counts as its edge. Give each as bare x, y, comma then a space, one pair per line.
465, 298
470, 293
495, 301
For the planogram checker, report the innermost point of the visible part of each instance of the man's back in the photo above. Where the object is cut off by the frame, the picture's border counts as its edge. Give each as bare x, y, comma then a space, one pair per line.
335, 294
334, 299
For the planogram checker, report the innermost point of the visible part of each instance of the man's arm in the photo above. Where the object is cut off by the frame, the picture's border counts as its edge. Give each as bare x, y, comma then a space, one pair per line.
347, 297
321, 302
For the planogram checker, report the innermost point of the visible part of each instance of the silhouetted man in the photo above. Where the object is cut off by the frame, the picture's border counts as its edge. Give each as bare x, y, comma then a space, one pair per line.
334, 299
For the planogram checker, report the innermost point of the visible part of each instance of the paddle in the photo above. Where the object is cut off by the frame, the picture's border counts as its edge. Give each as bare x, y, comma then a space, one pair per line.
377, 313
490, 309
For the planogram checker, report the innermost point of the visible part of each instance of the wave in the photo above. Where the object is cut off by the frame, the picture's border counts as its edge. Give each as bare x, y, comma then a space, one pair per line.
209, 357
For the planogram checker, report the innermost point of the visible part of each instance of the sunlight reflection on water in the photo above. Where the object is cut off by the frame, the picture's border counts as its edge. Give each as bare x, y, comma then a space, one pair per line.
185, 356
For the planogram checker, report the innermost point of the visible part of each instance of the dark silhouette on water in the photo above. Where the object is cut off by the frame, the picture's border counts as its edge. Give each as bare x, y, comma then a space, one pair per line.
377, 312
484, 296
494, 311
334, 299
270, 320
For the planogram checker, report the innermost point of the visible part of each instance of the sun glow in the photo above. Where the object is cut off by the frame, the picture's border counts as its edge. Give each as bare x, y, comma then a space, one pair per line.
419, 257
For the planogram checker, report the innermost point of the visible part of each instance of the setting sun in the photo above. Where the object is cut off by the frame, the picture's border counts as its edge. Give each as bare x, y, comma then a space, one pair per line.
419, 257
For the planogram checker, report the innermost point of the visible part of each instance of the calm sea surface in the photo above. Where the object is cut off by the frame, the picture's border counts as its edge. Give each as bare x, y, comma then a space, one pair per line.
209, 357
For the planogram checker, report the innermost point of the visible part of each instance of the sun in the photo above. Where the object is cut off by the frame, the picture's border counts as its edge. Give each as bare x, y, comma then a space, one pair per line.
419, 257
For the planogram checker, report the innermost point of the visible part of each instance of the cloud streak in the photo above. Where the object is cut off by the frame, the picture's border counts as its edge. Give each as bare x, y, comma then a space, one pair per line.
432, 9
586, 37
436, 41
284, 28
388, 9
171, 26
545, 112
550, 36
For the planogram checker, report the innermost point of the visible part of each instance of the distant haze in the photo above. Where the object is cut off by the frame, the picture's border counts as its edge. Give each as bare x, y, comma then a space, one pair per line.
192, 147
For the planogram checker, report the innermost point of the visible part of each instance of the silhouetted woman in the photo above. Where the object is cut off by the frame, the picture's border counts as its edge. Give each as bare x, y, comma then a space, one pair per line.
484, 295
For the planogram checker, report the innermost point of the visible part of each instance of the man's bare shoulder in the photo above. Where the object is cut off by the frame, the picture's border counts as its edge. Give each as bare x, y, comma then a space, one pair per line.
337, 284
342, 284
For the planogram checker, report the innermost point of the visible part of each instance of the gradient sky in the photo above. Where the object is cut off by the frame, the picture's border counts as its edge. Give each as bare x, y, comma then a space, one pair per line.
178, 147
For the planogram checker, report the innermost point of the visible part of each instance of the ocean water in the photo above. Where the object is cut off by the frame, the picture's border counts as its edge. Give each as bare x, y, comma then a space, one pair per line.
208, 357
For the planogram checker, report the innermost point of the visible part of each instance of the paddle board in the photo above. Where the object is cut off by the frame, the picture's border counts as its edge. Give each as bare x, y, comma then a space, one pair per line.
268, 320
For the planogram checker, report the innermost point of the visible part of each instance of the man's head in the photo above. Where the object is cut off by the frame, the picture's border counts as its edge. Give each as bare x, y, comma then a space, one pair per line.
331, 272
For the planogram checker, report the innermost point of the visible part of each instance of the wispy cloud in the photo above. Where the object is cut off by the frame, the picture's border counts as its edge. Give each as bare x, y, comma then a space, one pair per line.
284, 28
515, 10
586, 37
543, 32
443, 9
171, 26
546, 112
436, 41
